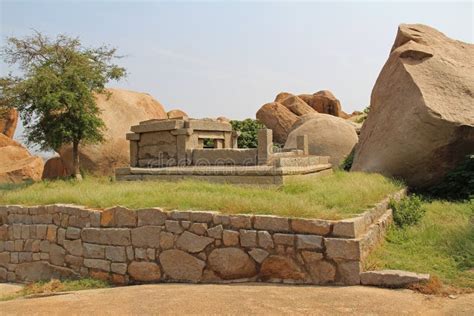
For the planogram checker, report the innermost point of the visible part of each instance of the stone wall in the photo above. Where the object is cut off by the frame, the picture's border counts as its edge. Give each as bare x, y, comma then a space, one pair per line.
149, 245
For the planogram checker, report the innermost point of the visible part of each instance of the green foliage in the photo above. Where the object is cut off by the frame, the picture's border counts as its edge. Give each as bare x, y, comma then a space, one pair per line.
54, 90
407, 211
346, 165
364, 116
458, 184
248, 129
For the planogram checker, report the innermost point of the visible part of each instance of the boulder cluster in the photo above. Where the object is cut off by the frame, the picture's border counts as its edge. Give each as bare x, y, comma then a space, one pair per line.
317, 115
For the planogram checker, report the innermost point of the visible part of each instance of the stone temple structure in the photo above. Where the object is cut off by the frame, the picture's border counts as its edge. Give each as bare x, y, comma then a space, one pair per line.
173, 149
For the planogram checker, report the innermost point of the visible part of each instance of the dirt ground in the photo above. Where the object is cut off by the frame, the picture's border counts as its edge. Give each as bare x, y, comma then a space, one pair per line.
185, 299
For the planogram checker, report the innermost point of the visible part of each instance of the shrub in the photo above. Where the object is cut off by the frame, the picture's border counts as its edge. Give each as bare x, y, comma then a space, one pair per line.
458, 184
364, 116
408, 211
346, 165
248, 129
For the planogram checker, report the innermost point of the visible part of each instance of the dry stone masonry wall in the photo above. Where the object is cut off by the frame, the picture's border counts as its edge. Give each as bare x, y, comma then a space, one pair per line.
150, 245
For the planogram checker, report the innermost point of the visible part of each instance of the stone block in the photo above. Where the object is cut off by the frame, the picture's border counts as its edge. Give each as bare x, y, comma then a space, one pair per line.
181, 266
56, 255
338, 248
271, 223
231, 263
107, 236
19, 245
241, 221
44, 246
144, 271
215, 232
220, 219
307, 226
248, 238
312, 242
74, 260
198, 228
284, 239
258, 254
173, 227
99, 264
140, 253
74, 247
4, 259
41, 231
146, 236
40, 270
151, 216
265, 240
392, 278
166, 240
73, 233
130, 253
14, 257
193, 243
93, 251
281, 267
118, 217
51, 233
178, 215
230, 238
25, 257
119, 268
202, 217
61, 236
115, 254
25, 231
9, 245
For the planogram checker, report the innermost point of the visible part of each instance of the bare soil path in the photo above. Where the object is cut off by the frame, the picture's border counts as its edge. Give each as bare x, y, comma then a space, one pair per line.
185, 299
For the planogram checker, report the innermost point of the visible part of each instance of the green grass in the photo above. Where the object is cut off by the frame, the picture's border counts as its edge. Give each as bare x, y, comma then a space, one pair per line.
442, 244
54, 286
335, 196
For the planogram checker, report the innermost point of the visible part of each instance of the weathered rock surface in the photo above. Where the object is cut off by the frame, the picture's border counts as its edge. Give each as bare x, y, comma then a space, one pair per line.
8, 122
16, 163
421, 122
193, 243
144, 271
180, 265
327, 136
120, 110
325, 102
232, 263
278, 118
392, 278
297, 105
40, 270
54, 168
176, 114
280, 267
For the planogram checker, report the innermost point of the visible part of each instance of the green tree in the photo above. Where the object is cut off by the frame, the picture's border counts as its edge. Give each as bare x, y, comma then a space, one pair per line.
54, 89
248, 129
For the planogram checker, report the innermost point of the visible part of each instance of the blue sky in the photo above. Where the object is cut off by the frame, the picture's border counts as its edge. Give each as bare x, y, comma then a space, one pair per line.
229, 58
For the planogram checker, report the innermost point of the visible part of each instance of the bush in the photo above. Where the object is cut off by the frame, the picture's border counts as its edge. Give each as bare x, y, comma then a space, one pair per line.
407, 211
458, 184
346, 165
248, 129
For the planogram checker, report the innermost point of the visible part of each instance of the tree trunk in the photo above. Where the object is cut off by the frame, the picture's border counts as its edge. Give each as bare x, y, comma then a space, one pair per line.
75, 161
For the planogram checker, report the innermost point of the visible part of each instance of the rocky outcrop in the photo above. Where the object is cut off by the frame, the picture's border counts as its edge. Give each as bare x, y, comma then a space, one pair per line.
120, 110
16, 163
327, 136
8, 122
176, 114
278, 118
54, 168
421, 122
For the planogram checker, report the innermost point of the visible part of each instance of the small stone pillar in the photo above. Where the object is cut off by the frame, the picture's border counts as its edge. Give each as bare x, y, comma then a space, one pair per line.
235, 138
134, 138
265, 146
302, 144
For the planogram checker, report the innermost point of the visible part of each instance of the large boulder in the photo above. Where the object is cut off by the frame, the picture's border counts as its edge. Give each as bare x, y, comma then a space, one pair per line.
120, 110
278, 118
8, 122
54, 168
327, 136
325, 102
16, 163
421, 121
297, 105
176, 114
